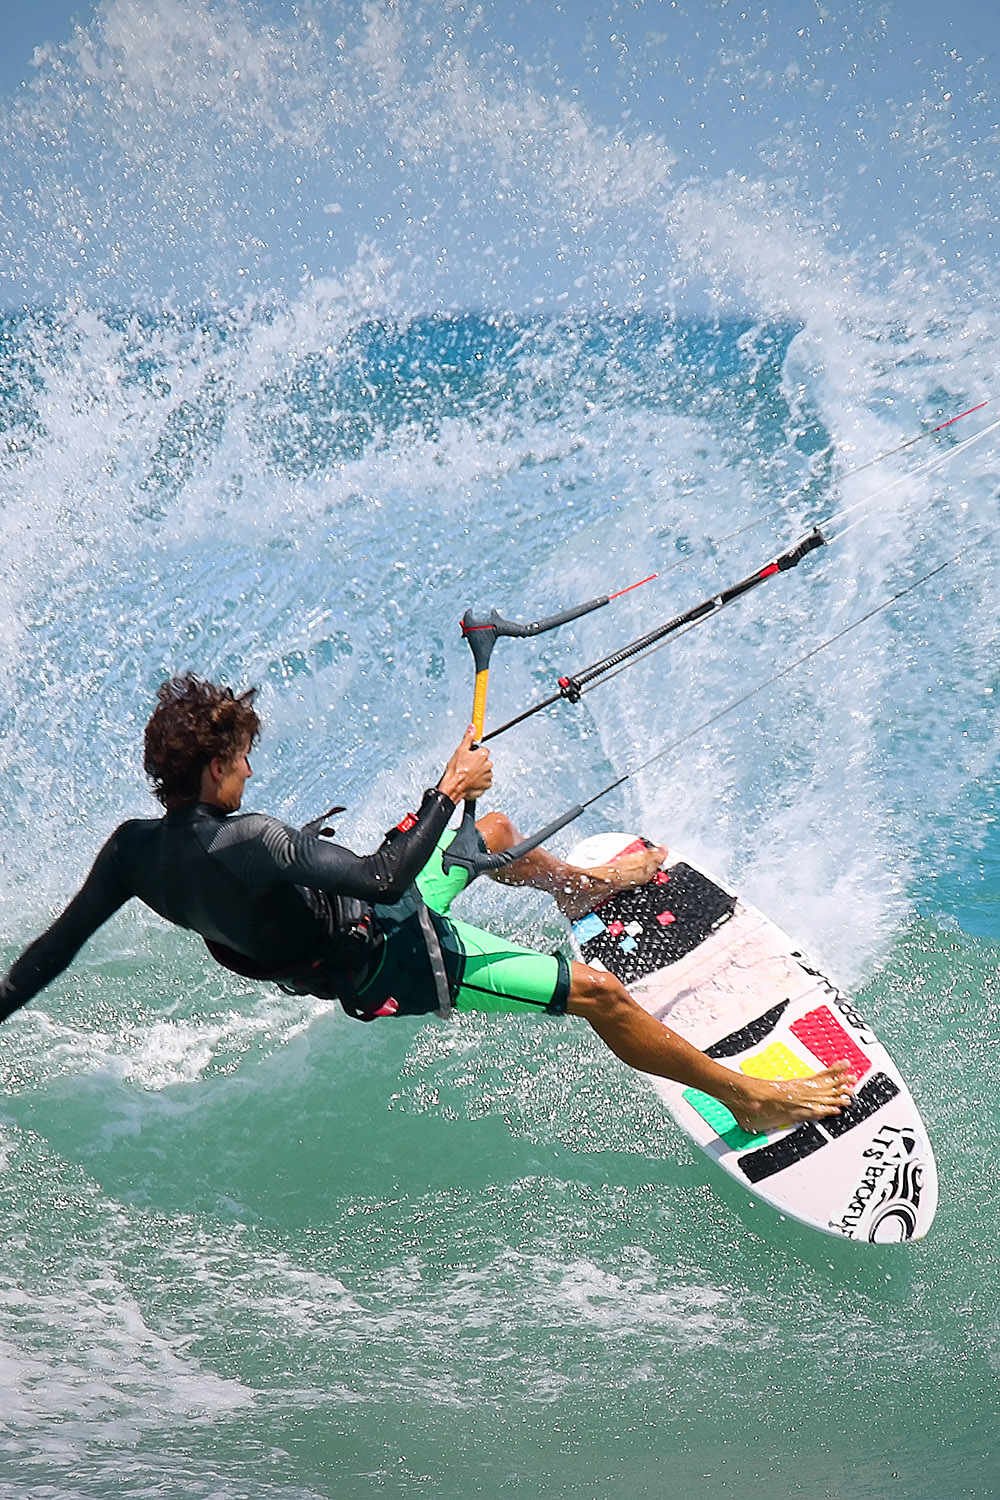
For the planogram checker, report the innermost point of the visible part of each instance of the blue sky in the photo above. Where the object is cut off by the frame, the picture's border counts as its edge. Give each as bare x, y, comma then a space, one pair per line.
641, 57
879, 117
26, 27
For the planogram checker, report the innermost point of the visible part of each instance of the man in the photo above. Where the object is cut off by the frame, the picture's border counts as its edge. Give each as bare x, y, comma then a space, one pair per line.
278, 903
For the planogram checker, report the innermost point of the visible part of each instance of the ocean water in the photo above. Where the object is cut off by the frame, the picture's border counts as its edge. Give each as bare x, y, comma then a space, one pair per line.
322, 326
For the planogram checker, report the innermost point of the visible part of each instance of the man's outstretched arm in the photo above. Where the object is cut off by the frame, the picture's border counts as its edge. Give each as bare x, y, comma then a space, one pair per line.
97, 899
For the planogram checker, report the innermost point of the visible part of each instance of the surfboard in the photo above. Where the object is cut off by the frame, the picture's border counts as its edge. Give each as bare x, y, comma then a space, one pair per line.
724, 976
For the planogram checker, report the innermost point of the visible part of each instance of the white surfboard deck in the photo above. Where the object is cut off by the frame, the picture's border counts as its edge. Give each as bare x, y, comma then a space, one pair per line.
724, 976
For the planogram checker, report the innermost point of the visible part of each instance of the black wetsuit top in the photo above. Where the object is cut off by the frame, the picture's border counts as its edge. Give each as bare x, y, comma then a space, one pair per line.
275, 896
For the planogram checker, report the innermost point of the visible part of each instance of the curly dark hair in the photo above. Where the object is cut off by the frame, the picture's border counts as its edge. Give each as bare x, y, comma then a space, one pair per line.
193, 723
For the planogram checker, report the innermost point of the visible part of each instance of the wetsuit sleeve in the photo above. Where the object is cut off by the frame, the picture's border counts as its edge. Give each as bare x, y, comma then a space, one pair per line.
384, 876
98, 898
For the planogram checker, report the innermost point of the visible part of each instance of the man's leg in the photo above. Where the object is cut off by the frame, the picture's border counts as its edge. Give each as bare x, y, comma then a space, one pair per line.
643, 1042
495, 975
576, 891
632, 1033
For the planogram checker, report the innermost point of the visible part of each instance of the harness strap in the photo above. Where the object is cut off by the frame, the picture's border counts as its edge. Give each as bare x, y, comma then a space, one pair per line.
435, 958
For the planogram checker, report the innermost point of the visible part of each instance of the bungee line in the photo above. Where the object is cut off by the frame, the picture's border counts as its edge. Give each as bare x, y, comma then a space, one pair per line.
910, 441
926, 468
716, 542
785, 671
839, 480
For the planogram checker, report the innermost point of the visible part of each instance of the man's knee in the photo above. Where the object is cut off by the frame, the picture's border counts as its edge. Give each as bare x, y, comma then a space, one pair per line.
596, 994
497, 831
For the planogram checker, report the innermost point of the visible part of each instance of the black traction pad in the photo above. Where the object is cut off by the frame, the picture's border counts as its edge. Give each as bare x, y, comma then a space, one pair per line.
801, 1142
639, 931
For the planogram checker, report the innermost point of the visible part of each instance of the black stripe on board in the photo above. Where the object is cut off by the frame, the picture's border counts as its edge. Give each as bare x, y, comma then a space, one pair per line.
764, 1162
755, 1031
805, 1139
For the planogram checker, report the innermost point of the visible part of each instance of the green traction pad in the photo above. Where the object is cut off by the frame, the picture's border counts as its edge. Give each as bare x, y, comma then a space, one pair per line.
722, 1121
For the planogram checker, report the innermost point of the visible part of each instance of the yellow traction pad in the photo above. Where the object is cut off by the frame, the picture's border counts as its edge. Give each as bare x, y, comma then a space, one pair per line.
776, 1063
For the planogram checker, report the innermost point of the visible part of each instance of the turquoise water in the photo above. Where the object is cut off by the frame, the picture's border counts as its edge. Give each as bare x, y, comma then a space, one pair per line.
255, 425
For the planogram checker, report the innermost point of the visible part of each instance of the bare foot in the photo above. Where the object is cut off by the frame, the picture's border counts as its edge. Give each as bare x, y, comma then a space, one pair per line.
763, 1106
591, 887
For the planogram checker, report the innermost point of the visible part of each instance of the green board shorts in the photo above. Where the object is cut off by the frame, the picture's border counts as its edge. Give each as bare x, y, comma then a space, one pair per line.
485, 972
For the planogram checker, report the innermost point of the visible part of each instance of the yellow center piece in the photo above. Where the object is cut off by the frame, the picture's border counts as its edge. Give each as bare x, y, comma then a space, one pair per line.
479, 701
775, 1063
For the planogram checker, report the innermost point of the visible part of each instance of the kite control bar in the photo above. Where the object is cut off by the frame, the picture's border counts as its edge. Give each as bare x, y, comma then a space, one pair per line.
483, 632
573, 687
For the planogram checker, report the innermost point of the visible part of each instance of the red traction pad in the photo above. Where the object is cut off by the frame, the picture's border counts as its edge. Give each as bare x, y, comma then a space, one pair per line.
826, 1039
636, 847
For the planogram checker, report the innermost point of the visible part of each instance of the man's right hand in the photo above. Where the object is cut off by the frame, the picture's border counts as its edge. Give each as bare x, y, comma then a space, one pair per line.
469, 773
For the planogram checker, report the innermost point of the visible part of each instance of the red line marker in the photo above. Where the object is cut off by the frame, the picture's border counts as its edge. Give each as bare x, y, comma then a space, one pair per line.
960, 416
633, 586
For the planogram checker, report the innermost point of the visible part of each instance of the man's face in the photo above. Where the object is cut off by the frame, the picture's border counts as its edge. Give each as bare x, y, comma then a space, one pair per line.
233, 776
